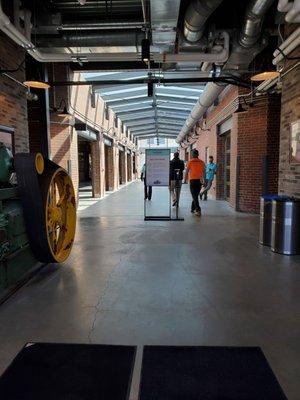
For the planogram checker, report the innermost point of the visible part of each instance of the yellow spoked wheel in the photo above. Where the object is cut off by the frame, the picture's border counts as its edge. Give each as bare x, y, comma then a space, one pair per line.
60, 215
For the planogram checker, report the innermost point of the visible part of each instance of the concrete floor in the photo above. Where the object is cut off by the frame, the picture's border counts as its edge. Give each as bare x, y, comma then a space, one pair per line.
197, 282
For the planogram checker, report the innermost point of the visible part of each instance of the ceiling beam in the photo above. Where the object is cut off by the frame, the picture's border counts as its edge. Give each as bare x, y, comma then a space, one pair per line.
233, 80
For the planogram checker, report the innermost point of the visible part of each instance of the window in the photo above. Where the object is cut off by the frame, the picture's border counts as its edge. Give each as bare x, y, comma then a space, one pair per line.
7, 137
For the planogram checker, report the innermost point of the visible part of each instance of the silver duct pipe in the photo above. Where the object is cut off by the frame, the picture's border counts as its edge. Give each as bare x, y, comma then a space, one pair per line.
104, 39
251, 29
113, 25
196, 16
208, 96
249, 35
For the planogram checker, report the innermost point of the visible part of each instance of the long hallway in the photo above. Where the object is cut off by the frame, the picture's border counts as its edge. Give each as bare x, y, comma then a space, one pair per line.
197, 282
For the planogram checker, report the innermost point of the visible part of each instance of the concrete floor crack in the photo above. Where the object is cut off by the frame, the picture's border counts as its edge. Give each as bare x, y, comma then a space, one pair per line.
97, 306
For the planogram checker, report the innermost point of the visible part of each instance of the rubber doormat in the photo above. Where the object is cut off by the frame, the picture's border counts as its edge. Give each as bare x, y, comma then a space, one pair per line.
207, 373
45, 371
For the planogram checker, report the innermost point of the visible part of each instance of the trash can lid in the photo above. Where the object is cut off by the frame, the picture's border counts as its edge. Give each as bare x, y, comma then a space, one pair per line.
276, 197
281, 198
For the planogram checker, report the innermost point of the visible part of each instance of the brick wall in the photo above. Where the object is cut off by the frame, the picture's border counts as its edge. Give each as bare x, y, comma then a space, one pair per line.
254, 141
13, 103
98, 178
289, 173
208, 137
122, 166
64, 142
80, 104
64, 149
111, 167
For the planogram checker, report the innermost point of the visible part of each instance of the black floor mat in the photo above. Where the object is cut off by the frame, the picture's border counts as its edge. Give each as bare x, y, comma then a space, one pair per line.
45, 371
207, 373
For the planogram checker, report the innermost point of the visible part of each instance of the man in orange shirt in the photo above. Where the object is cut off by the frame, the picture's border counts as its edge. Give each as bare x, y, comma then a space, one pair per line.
195, 169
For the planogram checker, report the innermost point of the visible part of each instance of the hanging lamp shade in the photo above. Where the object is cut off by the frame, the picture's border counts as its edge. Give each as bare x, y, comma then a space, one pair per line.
263, 76
37, 84
266, 70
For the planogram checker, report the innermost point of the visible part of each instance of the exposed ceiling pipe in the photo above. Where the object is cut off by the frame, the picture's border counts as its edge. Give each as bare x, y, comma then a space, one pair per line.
100, 26
287, 41
144, 10
196, 16
10, 30
251, 29
164, 20
90, 39
287, 46
292, 8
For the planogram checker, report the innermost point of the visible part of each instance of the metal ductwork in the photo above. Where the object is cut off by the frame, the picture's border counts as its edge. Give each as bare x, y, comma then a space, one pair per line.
164, 19
251, 29
92, 39
196, 16
248, 37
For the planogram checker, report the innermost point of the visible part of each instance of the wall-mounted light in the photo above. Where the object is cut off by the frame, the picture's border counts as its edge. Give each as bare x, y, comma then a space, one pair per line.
145, 50
62, 110
241, 109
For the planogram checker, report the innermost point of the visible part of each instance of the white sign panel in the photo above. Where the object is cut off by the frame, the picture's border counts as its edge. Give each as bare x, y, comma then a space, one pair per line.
157, 167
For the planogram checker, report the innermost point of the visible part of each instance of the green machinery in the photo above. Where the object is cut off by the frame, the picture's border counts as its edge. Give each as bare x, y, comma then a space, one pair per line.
37, 215
16, 257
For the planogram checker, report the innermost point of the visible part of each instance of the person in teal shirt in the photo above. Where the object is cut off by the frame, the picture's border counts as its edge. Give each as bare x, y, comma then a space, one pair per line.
210, 172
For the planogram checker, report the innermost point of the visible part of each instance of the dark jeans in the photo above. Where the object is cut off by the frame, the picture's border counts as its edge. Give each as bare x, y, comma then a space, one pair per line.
148, 192
195, 187
207, 186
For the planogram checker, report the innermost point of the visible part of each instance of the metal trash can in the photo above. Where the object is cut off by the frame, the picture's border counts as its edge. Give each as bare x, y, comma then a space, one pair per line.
265, 225
265, 222
285, 232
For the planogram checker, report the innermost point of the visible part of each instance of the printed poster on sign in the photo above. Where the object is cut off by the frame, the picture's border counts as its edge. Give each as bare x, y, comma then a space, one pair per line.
157, 167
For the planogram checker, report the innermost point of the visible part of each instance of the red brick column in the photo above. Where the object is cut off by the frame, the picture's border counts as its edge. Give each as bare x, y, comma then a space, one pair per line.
112, 165
258, 140
96, 168
289, 173
129, 167
64, 149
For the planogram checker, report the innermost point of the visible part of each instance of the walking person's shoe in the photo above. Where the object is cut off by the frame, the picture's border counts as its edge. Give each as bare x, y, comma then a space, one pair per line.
198, 213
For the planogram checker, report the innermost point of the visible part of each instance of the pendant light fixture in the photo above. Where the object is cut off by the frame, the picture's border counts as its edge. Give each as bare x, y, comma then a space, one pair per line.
267, 70
263, 76
150, 89
36, 84
35, 80
145, 50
